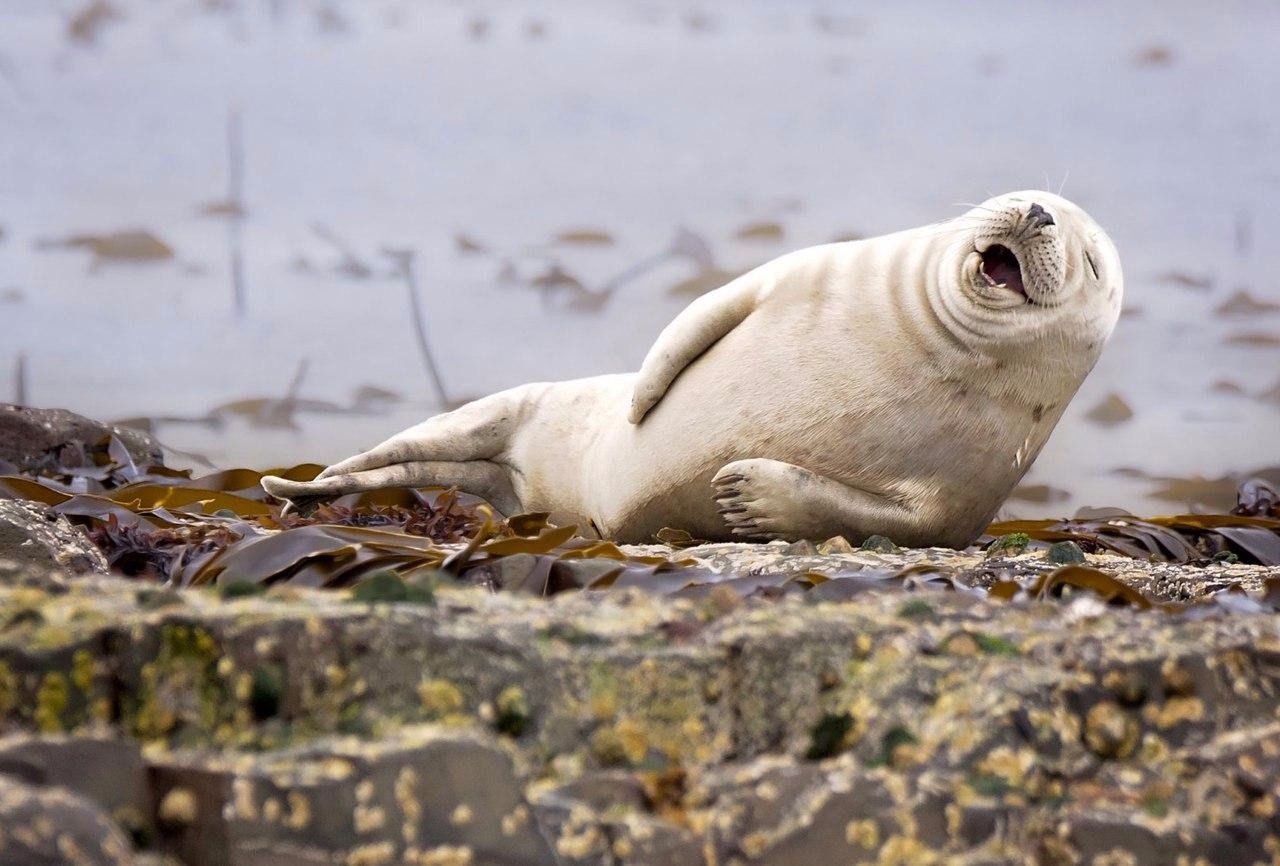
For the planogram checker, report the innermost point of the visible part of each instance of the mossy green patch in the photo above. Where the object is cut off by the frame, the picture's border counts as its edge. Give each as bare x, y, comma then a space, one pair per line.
240, 589
917, 609
1011, 544
266, 692
388, 588
994, 645
989, 784
154, 599
896, 736
1155, 806
828, 736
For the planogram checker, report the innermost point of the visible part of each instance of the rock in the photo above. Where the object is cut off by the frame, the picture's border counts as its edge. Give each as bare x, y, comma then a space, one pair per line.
28, 436
38, 540
53, 826
299, 726
117, 784
1065, 553
420, 792
879, 544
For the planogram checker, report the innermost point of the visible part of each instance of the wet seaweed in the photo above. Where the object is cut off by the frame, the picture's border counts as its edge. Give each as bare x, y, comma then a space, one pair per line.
220, 529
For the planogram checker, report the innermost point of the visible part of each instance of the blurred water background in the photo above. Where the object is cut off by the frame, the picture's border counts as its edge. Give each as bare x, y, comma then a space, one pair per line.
212, 214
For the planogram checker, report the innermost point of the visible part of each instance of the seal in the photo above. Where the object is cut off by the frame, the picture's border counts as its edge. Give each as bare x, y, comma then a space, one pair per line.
899, 385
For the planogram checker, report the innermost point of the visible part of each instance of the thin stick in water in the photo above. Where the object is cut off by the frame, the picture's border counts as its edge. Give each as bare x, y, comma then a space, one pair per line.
20, 380
404, 260
235, 198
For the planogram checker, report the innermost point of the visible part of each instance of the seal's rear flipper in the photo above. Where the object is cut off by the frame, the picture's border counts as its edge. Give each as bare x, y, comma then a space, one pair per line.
483, 478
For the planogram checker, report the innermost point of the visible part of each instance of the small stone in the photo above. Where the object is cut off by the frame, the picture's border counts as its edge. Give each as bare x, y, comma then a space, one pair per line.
1065, 553
879, 544
835, 544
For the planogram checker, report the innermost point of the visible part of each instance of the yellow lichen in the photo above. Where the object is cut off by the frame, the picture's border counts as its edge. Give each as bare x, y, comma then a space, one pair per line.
864, 834
754, 844
242, 802
633, 738
514, 820
1173, 711
8, 689
906, 851
1109, 731
369, 818
407, 798
578, 844
1115, 857
440, 697
179, 806
443, 855
373, 854
1009, 764
51, 703
299, 811
83, 668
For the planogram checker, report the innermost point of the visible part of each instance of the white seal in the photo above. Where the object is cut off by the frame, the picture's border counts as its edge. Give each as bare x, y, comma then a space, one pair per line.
898, 385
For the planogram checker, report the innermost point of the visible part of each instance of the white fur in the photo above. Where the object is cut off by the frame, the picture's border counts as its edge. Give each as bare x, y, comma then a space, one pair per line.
880, 386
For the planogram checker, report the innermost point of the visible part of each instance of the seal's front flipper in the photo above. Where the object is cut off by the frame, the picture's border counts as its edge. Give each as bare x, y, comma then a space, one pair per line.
769, 499
690, 334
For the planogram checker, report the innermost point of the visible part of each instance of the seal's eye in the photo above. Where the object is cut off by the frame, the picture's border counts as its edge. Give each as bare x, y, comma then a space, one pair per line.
1088, 258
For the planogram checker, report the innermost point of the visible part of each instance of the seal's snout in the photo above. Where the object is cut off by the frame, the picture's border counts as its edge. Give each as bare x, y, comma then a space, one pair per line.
1039, 217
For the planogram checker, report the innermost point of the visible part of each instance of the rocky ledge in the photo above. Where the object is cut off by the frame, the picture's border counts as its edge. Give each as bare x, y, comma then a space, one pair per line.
915, 723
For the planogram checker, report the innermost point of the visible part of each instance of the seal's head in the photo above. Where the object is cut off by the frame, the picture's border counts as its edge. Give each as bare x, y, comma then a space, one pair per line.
1027, 267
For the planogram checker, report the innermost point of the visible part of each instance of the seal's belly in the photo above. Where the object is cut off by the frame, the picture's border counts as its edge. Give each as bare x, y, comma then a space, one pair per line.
823, 399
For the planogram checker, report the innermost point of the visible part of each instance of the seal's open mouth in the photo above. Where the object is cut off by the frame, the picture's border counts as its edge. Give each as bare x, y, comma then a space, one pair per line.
1000, 268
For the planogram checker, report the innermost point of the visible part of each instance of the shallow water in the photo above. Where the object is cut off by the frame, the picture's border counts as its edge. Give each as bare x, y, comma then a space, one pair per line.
388, 123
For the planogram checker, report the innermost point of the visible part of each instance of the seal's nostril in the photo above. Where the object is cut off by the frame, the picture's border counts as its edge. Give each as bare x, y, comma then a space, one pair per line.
1039, 216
